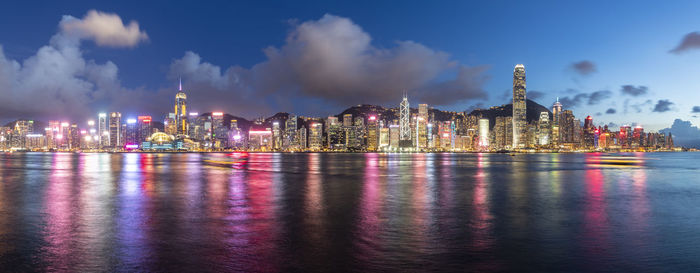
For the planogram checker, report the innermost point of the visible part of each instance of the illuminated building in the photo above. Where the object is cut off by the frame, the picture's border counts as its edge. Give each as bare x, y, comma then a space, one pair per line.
394, 136
35, 141
422, 127
181, 111
404, 121
290, 133
484, 133
336, 134
260, 140
372, 136
74, 137
102, 130
446, 135
302, 139
170, 124
131, 134
637, 139
21, 130
588, 133
543, 129
383, 138
556, 120
276, 135
219, 135
145, 129
315, 136
115, 120
519, 107
347, 120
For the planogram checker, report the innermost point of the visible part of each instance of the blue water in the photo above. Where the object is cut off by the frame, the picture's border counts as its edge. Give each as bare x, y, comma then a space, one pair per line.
350, 212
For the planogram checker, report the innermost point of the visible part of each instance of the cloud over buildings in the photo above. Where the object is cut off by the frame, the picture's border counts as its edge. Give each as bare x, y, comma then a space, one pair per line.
584, 68
106, 29
662, 106
634, 91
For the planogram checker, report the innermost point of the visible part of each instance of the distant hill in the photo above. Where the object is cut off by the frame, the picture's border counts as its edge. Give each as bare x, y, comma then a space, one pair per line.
533, 112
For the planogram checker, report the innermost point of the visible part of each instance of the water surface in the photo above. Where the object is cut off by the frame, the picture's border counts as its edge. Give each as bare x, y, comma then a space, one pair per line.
355, 212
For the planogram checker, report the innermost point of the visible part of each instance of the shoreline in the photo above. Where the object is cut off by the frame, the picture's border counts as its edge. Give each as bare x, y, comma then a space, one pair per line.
339, 152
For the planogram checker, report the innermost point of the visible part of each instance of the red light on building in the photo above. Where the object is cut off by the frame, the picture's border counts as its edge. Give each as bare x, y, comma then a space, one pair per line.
145, 119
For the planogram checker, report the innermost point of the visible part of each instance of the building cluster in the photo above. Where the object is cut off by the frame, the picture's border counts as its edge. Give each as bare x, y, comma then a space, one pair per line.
403, 130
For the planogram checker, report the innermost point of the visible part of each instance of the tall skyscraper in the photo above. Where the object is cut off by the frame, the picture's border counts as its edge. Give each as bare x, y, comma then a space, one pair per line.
102, 130
422, 127
144, 129
181, 111
484, 133
372, 134
115, 125
404, 120
519, 107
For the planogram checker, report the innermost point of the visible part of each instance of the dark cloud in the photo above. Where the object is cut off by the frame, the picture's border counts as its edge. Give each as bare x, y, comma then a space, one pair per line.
332, 62
611, 111
584, 68
598, 96
322, 64
534, 94
690, 41
634, 91
684, 133
593, 98
696, 109
663, 106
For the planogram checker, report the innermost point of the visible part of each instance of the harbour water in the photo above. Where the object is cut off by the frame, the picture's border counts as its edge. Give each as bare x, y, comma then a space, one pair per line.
349, 212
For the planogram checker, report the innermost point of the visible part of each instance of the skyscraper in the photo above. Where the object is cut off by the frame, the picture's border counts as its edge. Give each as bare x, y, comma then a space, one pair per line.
115, 125
102, 130
181, 111
519, 107
484, 133
404, 120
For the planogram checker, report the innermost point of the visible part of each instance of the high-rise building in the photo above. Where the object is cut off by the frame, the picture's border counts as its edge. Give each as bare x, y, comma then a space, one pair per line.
484, 133
115, 125
102, 130
145, 129
404, 120
131, 135
422, 127
372, 134
543, 130
181, 111
315, 136
588, 133
290, 133
519, 107
220, 131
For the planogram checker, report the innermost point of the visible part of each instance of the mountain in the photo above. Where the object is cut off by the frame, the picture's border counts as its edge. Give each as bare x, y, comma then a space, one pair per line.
532, 114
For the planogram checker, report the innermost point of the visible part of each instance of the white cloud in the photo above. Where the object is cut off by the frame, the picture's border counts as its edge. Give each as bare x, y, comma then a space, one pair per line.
106, 29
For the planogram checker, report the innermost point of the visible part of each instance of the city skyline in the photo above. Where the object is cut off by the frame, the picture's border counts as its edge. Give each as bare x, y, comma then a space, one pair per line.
101, 72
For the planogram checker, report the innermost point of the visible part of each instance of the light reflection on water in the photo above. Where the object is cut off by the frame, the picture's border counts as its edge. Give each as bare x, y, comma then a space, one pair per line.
361, 212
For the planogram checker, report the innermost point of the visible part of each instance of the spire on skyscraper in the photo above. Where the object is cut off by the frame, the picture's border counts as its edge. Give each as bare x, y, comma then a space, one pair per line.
180, 88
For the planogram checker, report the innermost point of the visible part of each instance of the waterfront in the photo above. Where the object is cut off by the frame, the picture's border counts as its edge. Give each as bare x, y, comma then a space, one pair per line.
358, 212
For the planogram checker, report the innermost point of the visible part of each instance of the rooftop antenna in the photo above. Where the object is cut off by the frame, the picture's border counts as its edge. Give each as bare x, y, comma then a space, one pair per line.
180, 88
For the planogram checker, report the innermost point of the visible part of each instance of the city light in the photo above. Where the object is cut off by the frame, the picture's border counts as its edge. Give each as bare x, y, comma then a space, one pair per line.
217, 114
91, 123
131, 121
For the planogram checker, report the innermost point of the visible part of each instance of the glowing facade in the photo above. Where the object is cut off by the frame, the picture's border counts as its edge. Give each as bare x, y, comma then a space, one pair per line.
519, 107
181, 111
404, 120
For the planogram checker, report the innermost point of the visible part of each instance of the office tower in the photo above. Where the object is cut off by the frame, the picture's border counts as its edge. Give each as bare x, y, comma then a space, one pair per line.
194, 127
102, 130
637, 139
336, 134
219, 134
566, 127
578, 133
260, 140
498, 134
170, 124
145, 129
446, 135
131, 134
543, 129
394, 136
383, 138
372, 134
180, 112
115, 133
74, 137
531, 135
556, 124
519, 107
52, 134
290, 135
404, 120
276, 135
422, 127
588, 133
315, 136
22, 129
484, 133
301, 138
347, 120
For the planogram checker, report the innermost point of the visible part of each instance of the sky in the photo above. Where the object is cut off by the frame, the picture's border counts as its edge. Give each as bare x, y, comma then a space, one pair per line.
622, 62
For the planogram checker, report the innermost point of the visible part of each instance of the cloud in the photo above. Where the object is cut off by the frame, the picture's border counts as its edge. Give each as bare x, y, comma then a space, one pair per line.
684, 133
106, 29
663, 106
611, 111
533, 95
634, 91
696, 109
584, 68
690, 41
332, 62
593, 98
598, 96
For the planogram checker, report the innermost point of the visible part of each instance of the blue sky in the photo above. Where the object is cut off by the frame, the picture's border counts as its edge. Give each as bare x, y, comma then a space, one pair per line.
626, 42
